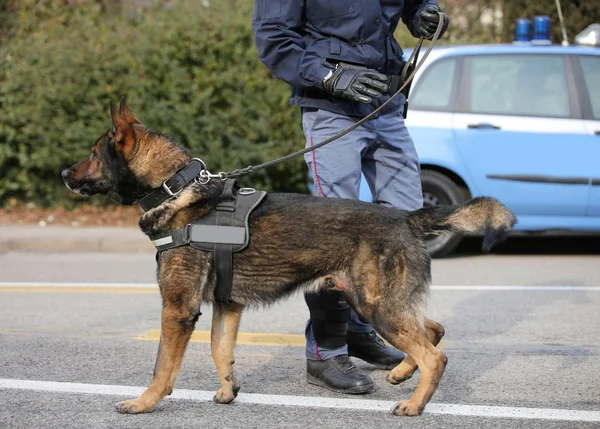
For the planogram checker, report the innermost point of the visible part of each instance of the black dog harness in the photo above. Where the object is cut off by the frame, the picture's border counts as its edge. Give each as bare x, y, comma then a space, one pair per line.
223, 231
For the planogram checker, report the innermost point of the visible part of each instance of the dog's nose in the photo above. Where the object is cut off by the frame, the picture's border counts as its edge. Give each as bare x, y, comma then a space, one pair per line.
65, 174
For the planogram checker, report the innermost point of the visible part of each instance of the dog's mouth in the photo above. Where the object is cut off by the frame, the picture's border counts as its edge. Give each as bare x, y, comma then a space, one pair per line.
83, 189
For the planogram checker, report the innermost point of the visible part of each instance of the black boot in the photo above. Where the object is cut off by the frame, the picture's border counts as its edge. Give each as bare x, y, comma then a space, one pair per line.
338, 374
370, 348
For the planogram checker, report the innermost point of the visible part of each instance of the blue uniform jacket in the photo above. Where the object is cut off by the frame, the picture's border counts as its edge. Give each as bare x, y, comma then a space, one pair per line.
298, 39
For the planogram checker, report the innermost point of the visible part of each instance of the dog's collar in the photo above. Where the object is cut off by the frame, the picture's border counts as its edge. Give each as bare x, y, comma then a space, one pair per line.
171, 187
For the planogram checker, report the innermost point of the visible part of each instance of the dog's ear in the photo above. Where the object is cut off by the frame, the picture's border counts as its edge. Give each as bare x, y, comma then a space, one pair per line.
122, 131
118, 123
127, 114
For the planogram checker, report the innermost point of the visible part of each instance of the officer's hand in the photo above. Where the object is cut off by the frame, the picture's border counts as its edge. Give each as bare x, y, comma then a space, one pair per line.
429, 20
356, 84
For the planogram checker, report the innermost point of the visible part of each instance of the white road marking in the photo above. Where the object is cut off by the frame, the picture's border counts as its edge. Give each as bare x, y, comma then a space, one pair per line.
310, 401
507, 288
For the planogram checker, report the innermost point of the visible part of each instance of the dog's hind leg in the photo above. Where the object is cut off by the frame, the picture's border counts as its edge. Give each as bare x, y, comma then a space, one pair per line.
176, 329
407, 334
225, 324
434, 332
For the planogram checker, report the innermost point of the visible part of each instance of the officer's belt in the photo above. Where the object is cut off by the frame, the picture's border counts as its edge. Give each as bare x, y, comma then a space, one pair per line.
224, 231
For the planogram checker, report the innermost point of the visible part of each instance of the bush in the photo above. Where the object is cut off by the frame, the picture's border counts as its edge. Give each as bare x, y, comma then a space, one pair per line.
189, 71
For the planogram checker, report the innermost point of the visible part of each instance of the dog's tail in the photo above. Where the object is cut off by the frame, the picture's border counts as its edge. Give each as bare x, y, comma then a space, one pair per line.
482, 215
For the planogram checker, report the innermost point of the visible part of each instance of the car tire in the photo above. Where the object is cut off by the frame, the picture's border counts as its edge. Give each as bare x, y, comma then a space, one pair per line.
439, 189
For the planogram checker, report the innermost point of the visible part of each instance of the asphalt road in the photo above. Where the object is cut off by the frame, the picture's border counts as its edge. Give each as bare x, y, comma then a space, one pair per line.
68, 352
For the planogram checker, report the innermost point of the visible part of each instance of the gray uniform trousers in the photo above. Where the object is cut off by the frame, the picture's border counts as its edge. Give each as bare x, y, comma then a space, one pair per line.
384, 151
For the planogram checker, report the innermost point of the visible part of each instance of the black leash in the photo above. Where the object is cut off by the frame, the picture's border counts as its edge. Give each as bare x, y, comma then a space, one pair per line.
412, 61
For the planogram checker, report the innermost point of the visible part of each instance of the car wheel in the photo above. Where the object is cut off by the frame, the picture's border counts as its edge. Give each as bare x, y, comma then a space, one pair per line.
440, 190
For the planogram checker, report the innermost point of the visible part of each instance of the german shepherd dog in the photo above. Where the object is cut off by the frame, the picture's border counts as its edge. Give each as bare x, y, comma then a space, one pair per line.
375, 255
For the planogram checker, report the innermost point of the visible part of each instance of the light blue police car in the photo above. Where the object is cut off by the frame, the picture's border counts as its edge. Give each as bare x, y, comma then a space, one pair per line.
519, 122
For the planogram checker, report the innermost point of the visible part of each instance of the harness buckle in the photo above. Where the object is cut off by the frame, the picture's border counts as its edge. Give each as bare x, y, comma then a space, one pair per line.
187, 232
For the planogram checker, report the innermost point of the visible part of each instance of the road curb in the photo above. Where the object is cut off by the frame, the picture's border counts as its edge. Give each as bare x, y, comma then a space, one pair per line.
75, 246
17, 238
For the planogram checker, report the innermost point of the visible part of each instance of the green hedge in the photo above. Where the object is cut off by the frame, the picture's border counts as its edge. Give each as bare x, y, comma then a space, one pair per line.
189, 71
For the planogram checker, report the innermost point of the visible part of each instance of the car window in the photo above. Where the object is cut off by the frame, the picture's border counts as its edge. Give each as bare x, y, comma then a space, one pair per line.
530, 85
434, 89
591, 74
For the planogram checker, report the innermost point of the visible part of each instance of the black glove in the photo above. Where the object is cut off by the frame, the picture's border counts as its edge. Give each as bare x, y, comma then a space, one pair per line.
358, 84
429, 20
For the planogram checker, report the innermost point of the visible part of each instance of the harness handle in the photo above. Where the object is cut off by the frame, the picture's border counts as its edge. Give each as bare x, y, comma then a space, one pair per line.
411, 61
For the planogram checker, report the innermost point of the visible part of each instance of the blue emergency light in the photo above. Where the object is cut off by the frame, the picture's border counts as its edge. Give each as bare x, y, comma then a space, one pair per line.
541, 30
522, 30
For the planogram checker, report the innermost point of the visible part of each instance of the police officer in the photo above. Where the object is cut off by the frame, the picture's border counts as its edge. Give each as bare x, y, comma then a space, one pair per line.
339, 57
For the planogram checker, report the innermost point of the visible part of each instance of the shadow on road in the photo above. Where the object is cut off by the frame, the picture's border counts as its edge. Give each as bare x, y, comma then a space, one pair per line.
534, 245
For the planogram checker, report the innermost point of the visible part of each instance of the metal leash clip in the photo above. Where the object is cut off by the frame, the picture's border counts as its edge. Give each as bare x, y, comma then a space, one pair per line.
205, 176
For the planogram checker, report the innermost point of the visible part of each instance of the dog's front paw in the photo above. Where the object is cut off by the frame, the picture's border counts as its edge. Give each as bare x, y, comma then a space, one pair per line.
397, 379
407, 408
131, 406
154, 220
401, 373
147, 224
225, 396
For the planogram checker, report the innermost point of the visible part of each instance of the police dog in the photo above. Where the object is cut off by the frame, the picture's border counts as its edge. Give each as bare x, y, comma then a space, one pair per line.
375, 255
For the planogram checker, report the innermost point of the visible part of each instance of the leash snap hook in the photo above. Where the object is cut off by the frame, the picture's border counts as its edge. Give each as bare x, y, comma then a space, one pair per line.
204, 176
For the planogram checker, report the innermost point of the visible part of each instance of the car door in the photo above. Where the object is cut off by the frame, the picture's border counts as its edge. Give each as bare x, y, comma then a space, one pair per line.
590, 95
429, 118
517, 128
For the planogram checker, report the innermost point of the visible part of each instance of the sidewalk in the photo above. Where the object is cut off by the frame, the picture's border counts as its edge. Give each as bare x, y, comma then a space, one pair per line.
59, 238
